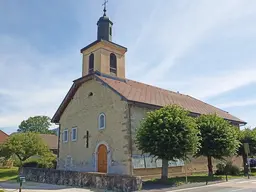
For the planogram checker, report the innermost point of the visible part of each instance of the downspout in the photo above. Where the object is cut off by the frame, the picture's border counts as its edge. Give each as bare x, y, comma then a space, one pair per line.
58, 154
130, 137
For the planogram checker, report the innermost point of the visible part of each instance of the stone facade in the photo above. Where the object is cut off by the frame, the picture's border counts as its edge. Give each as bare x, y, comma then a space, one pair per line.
80, 179
83, 112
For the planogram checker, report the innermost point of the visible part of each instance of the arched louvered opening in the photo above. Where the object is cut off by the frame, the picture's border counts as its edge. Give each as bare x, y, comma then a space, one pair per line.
91, 63
113, 64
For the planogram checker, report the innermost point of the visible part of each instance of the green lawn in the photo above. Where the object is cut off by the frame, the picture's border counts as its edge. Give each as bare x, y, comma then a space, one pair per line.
198, 178
8, 174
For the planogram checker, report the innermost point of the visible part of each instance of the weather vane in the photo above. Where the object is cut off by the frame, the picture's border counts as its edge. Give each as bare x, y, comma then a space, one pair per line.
105, 6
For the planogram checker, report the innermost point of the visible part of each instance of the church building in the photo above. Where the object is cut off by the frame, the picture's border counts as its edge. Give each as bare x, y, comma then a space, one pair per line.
99, 116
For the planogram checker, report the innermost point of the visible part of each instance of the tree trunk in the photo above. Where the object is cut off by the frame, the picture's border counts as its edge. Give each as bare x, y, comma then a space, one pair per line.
210, 171
164, 176
246, 170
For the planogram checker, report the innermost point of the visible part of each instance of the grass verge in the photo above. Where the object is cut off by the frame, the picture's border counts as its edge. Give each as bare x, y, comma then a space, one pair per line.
177, 181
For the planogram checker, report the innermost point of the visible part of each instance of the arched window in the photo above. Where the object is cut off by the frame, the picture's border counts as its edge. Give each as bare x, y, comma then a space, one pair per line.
113, 64
102, 121
91, 63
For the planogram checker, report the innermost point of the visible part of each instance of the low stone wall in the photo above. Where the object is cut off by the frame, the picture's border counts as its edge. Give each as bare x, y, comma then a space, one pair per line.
82, 179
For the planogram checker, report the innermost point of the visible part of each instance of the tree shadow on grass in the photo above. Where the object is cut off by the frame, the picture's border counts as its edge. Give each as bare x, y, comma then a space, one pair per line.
179, 181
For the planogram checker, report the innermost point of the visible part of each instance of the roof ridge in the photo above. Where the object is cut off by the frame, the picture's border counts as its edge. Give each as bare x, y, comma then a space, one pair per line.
208, 104
154, 86
4, 133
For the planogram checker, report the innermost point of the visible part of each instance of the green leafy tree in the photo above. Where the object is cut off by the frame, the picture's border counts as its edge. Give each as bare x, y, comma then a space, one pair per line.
168, 134
219, 138
37, 124
247, 136
25, 146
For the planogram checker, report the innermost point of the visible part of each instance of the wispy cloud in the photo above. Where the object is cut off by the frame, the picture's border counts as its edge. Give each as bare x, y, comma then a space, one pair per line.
237, 104
193, 22
172, 44
32, 83
171, 38
205, 87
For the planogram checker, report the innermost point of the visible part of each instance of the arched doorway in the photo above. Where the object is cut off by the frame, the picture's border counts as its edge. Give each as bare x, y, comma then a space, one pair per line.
102, 159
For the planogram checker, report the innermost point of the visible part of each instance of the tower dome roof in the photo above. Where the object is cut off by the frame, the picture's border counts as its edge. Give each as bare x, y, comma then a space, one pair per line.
104, 18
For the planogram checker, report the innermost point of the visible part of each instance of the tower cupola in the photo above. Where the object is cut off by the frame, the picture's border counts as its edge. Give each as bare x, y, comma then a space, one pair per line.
105, 26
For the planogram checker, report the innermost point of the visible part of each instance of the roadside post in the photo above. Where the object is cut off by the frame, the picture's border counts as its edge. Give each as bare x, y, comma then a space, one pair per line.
247, 151
186, 174
186, 162
21, 180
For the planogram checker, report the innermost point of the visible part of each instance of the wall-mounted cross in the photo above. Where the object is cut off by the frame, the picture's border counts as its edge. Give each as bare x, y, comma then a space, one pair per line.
87, 136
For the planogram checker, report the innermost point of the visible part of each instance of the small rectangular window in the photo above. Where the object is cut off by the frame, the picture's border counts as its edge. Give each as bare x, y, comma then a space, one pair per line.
110, 31
65, 136
74, 134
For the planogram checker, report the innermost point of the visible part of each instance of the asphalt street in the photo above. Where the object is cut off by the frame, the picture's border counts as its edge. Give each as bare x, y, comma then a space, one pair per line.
241, 185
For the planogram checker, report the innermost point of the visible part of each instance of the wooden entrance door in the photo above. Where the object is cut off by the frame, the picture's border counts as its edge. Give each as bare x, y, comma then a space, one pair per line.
102, 159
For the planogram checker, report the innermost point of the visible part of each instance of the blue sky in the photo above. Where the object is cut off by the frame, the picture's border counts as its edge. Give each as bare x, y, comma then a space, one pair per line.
202, 48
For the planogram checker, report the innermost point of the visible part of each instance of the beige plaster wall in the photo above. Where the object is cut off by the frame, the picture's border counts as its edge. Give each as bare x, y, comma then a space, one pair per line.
198, 165
137, 114
82, 112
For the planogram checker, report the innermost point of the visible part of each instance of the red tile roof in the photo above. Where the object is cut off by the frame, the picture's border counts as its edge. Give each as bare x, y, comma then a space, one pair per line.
3, 136
146, 94
50, 140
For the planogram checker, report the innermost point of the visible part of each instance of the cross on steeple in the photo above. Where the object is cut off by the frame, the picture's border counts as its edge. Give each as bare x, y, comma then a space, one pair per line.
105, 7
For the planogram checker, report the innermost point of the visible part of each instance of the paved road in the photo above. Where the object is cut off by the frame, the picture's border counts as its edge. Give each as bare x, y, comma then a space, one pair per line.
238, 185
241, 185
40, 187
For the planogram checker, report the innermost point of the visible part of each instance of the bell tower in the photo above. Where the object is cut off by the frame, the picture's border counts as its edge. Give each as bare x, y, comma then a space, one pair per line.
103, 55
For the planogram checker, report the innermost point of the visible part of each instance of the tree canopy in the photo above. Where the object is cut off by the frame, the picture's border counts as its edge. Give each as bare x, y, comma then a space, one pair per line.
219, 138
37, 124
24, 146
247, 136
169, 134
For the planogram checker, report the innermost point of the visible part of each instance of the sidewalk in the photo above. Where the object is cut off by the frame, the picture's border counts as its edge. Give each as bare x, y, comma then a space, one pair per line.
41, 187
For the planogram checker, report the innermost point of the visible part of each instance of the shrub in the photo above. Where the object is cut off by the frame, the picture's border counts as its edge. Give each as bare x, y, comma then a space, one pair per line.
40, 163
6, 163
253, 170
228, 168
234, 170
220, 169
